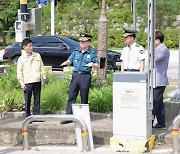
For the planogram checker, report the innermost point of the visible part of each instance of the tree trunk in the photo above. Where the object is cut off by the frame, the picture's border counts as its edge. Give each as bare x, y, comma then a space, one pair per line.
3, 34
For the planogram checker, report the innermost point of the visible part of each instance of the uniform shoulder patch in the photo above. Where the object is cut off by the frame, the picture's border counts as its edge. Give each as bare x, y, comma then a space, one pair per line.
137, 45
140, 48
92, 50
141, 51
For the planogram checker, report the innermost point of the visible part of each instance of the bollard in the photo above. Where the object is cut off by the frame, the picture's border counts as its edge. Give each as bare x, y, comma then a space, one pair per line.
175, 133
76, 119
84, 135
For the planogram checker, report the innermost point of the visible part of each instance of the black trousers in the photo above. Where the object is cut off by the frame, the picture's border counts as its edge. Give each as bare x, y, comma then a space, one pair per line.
82, 83
34, 88
158, 105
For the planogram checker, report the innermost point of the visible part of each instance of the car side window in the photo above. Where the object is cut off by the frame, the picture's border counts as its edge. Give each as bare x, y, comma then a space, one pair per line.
37, 42
54, 42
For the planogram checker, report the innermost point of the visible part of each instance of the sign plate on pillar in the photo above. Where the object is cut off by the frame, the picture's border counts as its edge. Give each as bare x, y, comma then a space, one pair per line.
42, 2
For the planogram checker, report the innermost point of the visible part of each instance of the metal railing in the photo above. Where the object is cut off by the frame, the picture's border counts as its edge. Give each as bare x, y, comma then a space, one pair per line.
34, 118
175, 134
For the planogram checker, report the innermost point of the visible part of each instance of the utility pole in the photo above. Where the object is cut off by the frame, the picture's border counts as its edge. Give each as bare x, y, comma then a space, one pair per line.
52, 17
151, 48
102, 42
133, 10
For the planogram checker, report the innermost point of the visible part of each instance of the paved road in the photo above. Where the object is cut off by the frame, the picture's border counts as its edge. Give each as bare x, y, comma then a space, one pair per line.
173, 64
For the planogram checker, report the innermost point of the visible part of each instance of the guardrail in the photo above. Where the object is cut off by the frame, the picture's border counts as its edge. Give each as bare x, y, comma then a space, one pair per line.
34, 118
175, 133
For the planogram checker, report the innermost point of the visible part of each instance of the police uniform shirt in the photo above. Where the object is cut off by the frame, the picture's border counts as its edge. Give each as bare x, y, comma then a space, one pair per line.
132, 55
80, 60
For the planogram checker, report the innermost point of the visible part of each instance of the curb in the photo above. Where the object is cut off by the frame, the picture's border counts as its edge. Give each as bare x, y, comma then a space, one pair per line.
93, 115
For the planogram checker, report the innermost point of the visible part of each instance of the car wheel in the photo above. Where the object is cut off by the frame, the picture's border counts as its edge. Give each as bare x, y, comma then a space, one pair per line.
15, 59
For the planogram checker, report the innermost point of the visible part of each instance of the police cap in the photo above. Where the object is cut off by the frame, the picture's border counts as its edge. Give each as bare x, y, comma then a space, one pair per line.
85, 37
129, 33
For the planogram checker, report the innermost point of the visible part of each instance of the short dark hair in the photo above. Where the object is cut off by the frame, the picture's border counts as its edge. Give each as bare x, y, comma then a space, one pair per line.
159, 35
133, 35
25, 42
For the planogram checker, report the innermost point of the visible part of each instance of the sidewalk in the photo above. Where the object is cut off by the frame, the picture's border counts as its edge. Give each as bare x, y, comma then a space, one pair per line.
70, 150
52, 133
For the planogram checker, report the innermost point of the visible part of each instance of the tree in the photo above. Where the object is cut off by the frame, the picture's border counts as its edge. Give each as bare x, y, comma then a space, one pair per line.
7, 17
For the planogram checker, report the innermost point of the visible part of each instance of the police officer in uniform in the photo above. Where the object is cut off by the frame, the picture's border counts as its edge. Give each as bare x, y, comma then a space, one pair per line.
133, 56
83, 60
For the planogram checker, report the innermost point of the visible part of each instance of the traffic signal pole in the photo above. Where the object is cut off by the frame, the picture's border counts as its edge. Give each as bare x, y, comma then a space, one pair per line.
23, 10
24, 15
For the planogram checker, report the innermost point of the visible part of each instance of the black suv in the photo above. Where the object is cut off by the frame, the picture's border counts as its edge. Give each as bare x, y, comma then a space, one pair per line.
54, 50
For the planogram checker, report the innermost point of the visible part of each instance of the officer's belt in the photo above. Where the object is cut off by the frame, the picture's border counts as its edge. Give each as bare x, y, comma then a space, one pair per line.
131, 70
81, 72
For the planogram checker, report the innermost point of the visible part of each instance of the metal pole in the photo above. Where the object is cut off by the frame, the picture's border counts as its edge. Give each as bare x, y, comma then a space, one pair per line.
151, 48
39, 6
102, 42
179, 66
52, 17
175, 134
77, 119
133, 6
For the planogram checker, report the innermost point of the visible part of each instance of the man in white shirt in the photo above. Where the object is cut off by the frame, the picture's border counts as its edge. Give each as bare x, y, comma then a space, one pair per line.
133, 56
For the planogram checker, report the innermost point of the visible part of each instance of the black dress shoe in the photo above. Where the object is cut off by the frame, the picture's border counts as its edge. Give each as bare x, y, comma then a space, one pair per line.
66, 122
159, 126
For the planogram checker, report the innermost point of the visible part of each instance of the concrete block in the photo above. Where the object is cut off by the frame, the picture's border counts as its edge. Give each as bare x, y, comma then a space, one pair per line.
9, 115
172, 109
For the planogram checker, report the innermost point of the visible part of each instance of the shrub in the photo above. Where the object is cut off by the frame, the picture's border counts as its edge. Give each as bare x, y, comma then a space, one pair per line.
54, 96
100, 100
10, 92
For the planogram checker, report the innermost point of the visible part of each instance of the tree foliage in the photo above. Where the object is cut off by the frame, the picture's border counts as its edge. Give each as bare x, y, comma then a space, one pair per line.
76, 16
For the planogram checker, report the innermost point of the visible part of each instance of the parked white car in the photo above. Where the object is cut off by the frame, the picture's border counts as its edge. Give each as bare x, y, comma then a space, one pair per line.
1, 54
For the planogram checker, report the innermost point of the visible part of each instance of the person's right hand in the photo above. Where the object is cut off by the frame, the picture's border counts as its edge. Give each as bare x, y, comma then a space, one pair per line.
64, 63
23, 87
